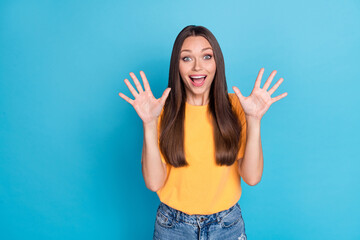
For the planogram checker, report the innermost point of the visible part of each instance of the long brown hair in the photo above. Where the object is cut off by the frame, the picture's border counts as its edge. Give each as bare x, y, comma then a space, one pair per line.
226, 125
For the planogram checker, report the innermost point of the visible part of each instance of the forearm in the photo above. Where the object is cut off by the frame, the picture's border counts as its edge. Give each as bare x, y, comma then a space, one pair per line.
153, 169
251, 166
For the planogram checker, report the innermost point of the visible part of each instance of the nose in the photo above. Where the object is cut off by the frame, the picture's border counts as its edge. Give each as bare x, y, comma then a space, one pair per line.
197, 65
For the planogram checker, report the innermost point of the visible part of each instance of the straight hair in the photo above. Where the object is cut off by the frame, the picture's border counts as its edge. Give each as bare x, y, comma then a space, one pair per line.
226, 124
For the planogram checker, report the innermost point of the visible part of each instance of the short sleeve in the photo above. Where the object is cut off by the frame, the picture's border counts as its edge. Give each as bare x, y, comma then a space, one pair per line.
241, 115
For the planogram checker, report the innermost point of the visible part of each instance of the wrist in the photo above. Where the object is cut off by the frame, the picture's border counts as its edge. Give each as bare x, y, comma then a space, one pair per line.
151, 124
251, 120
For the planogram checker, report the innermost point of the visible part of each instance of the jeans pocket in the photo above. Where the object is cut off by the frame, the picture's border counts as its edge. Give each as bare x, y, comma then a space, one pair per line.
164, 219
232, 218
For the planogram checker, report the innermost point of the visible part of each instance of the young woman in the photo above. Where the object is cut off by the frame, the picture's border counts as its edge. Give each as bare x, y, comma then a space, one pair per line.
199, 141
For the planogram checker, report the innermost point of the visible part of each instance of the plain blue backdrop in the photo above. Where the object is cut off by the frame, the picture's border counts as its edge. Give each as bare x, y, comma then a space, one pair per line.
70, 147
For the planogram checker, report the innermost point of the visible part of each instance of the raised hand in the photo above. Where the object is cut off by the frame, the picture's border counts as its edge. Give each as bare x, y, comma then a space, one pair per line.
260, 99
145, 104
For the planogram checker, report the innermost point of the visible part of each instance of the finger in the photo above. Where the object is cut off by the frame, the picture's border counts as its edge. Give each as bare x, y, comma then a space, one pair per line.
164, 96
276, 85
129, 100
279, 97
238, 93
145, 81
269, 80
131, 88
258, 79
137, 83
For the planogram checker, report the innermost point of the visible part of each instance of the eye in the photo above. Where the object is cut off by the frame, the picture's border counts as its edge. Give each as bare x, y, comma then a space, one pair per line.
186, 59
208, 56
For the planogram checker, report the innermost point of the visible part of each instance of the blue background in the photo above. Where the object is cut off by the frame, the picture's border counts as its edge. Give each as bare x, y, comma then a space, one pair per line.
70, 147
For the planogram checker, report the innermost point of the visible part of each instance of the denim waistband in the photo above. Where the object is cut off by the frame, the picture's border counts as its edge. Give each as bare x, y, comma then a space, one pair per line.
196, 218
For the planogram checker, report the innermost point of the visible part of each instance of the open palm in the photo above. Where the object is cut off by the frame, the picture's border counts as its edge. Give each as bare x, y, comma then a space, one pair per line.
260, 99
145, 104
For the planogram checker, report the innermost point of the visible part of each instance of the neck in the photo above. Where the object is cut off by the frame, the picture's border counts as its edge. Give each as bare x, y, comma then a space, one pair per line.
198, 100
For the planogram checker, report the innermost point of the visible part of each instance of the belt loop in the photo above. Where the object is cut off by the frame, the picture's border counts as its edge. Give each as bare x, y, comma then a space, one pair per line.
218, 218
177, 216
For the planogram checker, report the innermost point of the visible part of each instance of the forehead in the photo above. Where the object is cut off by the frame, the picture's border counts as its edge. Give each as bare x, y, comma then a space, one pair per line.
195, 44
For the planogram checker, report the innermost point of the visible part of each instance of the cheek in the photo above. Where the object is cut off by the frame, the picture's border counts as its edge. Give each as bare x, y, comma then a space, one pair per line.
212, 67
212, 71
181, 69
182, 76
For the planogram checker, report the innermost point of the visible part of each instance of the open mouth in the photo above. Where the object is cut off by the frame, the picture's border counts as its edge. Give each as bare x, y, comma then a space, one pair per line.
197, 80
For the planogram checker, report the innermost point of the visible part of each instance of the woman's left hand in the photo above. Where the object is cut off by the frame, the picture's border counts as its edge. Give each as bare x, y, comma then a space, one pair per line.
259, 101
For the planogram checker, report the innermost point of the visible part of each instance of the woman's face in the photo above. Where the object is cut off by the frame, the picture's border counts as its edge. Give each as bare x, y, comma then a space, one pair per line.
197, 68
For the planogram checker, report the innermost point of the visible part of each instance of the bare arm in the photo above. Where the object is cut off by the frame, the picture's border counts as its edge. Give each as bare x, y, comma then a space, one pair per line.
153, 169
148, 108
251, 166
255, 106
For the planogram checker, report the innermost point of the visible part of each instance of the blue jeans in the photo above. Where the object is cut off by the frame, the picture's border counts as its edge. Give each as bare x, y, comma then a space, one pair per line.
174, 225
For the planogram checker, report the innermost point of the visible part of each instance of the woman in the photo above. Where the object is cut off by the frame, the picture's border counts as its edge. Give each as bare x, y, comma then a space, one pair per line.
199, 141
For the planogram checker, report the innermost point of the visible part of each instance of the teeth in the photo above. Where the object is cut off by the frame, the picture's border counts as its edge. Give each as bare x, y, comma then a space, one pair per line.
197, 76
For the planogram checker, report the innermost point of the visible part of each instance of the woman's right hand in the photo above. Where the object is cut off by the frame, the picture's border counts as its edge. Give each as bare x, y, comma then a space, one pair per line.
145, 104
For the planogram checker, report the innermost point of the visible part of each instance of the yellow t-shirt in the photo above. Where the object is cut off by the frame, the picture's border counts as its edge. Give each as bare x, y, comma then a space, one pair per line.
203, 187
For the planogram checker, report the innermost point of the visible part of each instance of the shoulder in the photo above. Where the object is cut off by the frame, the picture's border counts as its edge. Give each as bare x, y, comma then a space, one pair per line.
234, 100
159, 120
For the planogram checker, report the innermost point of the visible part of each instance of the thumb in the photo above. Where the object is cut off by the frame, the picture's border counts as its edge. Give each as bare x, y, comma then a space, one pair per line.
238, 93
164, 96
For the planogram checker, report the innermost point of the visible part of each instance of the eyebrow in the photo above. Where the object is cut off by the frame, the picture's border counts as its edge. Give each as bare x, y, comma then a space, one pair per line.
187, 50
